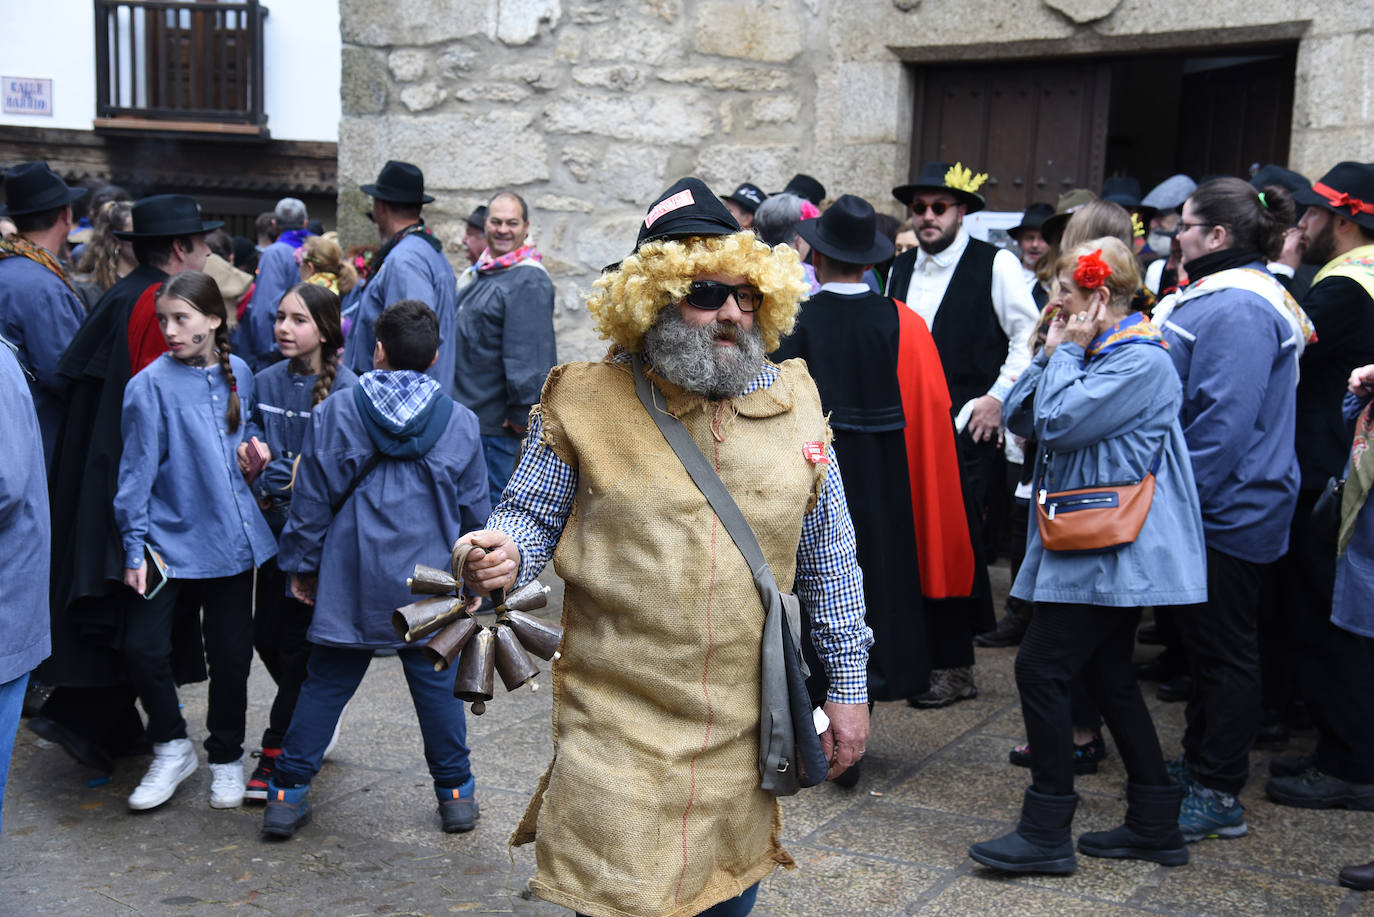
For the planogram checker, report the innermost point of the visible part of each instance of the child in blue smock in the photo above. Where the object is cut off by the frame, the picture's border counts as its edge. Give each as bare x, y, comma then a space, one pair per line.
308, 335
181, 498
391, 474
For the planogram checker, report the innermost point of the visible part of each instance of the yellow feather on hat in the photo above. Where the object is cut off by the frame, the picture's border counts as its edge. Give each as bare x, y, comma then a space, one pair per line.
963, 179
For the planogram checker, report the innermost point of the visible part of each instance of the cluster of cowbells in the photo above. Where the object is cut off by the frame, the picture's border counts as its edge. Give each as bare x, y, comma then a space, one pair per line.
481, 650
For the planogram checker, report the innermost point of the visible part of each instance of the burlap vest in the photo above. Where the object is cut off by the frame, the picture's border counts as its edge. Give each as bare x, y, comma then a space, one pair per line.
652, 806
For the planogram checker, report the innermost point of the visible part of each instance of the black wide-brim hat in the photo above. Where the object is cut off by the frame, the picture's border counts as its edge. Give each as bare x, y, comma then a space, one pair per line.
478, 218
932, 178
685, 210
398, 183
1273, 174
167, 216
747, 196
806, 188
1034, 217
31, 187
1347, 190
848, 231
1125, 191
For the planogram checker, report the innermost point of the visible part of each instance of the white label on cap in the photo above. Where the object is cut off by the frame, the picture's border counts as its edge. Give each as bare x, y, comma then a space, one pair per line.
682, 199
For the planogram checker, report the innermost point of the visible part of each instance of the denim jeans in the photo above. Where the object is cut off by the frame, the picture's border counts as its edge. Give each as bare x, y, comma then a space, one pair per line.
333, 675
739, 906
11, 705
501, 451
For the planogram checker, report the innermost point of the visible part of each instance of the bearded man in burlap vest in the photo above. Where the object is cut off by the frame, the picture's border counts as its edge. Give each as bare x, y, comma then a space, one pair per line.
652, 806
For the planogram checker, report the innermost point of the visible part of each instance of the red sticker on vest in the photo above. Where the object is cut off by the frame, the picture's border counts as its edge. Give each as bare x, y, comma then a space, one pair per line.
815, 453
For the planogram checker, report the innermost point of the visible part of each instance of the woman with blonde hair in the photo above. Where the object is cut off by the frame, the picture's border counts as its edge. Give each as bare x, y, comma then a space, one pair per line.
322, 262
1102, 399
105, 258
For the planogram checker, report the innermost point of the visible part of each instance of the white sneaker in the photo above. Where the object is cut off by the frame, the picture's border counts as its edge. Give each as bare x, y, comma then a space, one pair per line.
173, 762
226, 785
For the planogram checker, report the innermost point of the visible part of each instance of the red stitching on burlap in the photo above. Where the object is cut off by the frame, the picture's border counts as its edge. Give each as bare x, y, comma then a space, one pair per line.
705, 689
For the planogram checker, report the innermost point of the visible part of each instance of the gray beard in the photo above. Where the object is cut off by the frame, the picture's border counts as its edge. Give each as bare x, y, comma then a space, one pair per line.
688, 357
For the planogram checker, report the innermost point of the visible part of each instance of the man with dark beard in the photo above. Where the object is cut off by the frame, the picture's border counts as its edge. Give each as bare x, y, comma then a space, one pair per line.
978, 306
653, 803
1335, 667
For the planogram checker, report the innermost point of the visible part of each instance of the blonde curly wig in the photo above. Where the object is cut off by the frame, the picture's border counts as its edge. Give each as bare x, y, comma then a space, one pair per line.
625, 302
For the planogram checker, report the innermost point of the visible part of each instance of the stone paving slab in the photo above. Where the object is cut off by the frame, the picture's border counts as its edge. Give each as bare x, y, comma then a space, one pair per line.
934, 782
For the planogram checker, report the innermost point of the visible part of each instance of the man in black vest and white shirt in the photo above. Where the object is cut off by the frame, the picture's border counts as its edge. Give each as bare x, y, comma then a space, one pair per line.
975, 299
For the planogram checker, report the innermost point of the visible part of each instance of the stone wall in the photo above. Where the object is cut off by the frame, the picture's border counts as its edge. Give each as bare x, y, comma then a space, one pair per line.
590, 107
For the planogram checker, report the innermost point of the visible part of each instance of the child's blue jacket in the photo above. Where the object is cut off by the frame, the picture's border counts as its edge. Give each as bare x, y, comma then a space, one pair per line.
405, 511
180, 488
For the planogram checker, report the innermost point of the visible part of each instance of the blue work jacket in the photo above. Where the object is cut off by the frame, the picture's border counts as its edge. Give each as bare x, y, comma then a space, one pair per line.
1104, 423
279, 415
180, 488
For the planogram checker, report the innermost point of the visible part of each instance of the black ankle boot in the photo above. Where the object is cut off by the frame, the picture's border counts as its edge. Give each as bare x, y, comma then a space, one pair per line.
1150, 832
1040, 843
1011, 628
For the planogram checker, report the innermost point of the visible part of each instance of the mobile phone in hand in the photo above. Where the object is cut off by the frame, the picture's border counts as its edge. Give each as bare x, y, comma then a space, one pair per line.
157, 572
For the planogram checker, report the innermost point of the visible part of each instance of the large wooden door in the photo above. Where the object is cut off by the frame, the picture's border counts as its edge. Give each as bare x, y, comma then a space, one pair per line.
1235, 116
1036, 129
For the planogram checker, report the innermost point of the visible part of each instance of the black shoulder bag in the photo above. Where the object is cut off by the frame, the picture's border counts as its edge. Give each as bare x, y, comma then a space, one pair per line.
790, 755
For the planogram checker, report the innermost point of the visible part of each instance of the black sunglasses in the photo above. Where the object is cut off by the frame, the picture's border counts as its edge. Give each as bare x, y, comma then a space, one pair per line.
938, 208
710, 295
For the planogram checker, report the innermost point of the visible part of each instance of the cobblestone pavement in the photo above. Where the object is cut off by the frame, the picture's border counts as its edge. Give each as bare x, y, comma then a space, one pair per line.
934, 782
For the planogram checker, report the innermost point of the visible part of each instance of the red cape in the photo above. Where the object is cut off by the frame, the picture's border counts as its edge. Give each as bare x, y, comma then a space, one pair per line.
943, 547
146, 342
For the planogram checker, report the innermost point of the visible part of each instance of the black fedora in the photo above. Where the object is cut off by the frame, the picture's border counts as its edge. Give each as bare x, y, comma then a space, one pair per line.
398, 183
1347, 191
932, 178
31, 187
747, 196
1034, 217
686, 209
805, 187
478, 218
166, 216
848, 231
1125, 190
1273, 174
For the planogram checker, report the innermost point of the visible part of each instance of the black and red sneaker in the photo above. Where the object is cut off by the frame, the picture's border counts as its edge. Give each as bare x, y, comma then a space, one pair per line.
256, 790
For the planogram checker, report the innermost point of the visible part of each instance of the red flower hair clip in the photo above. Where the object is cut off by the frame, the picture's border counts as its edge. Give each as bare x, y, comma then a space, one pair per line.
1092, 271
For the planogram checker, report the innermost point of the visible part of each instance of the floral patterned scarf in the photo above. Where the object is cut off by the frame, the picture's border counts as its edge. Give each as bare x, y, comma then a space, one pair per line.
486, 263
1133, 329
1359, 477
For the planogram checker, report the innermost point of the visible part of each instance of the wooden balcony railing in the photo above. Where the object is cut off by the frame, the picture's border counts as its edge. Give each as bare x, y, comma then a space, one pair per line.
180, 65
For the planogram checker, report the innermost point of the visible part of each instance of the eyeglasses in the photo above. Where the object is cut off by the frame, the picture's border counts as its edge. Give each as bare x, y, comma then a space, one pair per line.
710, 295
938, 208
1184, 227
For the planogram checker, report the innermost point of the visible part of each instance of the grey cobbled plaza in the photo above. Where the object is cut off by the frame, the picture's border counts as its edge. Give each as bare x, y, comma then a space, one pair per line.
933, 782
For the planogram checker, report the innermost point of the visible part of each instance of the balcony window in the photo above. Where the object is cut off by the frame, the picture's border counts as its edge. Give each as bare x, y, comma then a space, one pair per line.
187, 66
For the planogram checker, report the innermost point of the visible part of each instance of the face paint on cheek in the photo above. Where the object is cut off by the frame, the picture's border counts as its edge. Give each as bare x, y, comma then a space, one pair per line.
197, 339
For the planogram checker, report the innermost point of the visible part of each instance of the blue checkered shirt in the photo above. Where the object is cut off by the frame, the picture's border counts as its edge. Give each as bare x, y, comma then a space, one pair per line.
536, 503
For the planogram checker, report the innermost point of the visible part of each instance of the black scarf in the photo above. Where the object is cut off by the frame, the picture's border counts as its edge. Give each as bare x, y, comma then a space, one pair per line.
375, 267
1221, 260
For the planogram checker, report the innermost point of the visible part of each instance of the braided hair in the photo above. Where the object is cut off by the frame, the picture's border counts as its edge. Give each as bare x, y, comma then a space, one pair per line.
203, 294
323, 305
